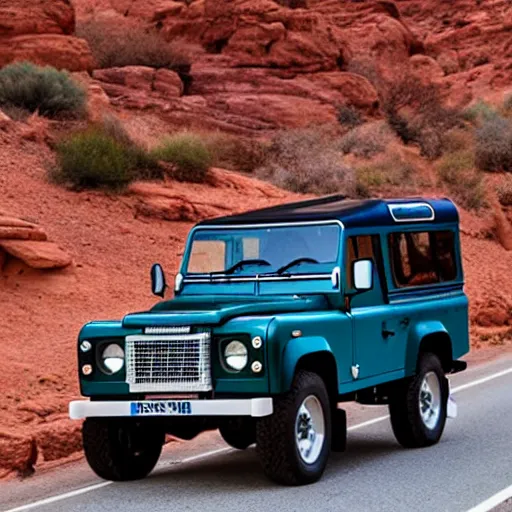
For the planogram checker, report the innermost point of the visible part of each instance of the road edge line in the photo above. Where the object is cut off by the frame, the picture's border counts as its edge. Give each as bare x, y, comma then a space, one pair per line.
493, 501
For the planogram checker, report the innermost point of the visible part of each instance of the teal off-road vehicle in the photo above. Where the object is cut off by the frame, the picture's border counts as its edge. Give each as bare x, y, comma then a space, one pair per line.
279, 316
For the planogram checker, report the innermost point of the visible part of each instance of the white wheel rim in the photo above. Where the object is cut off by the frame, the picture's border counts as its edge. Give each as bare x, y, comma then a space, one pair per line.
430, 400
310, 429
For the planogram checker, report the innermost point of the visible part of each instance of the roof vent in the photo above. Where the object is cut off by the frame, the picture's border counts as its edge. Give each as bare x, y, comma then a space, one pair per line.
411, 212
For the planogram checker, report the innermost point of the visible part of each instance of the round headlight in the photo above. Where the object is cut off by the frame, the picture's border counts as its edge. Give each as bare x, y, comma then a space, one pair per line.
113, 358
235, 355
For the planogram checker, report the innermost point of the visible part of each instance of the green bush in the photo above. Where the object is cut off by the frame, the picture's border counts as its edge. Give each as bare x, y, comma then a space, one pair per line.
93, 159
457, 172
493, 149
44, 89
367, 140
122, 43
305, 161
188, 155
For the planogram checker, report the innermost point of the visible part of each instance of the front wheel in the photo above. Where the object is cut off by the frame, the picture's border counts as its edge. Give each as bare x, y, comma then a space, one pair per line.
294, 442
418, 408
239, 433
121, 450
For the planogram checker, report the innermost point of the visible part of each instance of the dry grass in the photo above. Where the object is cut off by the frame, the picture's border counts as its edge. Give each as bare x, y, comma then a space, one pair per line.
457, 172
125, 43
306, 161
390, 170
493, 151
237, 153
367, 140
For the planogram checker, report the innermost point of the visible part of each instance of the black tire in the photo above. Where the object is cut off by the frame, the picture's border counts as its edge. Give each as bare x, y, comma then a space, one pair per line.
276, 434
121, 450
404, 407
239, 434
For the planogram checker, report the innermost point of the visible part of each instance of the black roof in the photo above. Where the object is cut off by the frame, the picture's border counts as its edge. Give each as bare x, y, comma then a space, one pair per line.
351, 212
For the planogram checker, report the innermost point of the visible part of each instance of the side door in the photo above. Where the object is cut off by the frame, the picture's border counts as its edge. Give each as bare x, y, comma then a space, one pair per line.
379, 329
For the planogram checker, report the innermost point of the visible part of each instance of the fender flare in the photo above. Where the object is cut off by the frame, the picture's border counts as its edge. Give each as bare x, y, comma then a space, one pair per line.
295, 350
417, 334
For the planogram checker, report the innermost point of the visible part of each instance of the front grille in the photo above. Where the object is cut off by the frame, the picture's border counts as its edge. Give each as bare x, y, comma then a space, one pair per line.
173, 363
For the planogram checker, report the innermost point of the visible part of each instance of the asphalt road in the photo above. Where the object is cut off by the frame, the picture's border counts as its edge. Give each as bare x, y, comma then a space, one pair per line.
465, 471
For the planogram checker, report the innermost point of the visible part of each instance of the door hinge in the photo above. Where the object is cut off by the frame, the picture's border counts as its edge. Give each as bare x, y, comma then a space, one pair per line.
355, 371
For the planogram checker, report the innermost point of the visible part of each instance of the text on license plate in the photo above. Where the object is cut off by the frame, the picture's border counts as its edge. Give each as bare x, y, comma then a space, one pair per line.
164, 407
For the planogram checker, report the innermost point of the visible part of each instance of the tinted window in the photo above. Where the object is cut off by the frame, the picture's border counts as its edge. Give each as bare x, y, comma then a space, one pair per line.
423, 258
359, 247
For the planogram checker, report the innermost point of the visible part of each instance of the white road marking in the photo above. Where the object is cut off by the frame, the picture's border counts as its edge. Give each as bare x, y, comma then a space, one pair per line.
60, 497
481, 381
211, 453
493, 501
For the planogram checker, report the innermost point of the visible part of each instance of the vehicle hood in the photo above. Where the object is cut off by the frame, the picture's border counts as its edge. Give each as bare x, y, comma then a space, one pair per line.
212, 310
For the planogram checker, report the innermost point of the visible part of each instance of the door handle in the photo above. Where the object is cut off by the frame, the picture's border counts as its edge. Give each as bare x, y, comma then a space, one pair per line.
386, 333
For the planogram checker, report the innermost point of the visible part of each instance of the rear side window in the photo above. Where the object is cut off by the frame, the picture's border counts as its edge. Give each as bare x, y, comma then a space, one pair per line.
423, 258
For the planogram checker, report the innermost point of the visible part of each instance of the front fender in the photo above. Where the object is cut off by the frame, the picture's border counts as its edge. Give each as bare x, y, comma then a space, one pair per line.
294, 350
417, 334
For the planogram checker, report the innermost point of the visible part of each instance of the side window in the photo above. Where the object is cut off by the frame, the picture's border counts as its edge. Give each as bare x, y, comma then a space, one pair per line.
422, 258
359, 247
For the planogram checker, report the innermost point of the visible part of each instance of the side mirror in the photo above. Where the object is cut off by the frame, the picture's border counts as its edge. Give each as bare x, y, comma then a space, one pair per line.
363, 275
158, 284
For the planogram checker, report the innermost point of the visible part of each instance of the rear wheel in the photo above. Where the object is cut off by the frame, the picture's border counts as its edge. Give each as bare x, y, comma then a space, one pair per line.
294, 442
121, 450
418, 408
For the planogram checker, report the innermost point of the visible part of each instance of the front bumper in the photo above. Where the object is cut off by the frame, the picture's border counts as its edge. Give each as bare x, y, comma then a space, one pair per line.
255, 407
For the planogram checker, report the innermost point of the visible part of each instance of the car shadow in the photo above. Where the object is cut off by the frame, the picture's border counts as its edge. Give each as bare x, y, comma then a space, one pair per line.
236, 470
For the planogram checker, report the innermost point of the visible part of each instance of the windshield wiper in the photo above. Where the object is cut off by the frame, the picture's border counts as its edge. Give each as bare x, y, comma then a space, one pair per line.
241, 264
294, 262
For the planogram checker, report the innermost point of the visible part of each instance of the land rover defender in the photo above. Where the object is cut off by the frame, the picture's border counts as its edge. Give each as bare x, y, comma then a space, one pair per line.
280, 315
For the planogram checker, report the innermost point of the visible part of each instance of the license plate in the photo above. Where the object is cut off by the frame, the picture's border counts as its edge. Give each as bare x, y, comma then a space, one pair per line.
161, 408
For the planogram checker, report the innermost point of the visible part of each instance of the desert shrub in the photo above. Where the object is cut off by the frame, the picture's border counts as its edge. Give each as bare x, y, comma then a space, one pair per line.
458, 139
124, 43
479, 112
367, 141
507, 104
140, 159
416, 113
52, 93
188, 154
92, 159
494, 145
391, 170
457, 172
349, 116
504, 191
306, 161
231, 152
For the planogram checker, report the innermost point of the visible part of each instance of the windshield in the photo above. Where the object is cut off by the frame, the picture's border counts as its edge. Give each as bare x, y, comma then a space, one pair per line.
251, 251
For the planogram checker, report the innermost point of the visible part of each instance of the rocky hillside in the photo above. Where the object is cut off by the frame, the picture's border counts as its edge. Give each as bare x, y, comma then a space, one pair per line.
254, 69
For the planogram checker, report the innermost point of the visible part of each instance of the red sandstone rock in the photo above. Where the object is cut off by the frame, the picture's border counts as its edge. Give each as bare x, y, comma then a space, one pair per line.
41, 255
19, 453
21, 233
59, 439
62, 52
